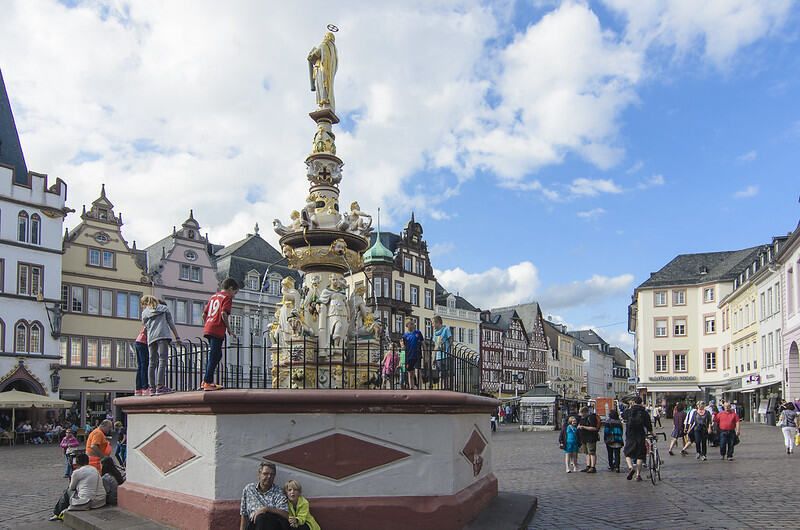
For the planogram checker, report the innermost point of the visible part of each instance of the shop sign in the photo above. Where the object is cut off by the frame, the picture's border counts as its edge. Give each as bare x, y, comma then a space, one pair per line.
673, 378
755, 378
98, 380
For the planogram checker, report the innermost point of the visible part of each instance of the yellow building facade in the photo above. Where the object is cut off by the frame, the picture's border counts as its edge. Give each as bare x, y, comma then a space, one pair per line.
103, 280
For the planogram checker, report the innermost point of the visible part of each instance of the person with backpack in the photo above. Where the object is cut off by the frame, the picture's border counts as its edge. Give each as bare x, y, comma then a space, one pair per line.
700, 425
612, 436
639, 426
588, 430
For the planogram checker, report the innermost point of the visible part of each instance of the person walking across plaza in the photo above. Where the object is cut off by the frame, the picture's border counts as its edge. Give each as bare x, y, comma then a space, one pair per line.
637, 429
729, 426
700, 425
678, 429
158, 320
588, 433
612, 436
568, 441
789, 421
68, 442
216, 315
412, 341
657, 416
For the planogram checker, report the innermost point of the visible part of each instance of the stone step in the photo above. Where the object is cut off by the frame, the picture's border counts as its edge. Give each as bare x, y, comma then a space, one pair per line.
508, 511
109, 518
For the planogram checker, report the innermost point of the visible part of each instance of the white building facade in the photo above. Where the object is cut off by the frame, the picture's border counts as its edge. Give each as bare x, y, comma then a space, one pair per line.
788, 266
31, 222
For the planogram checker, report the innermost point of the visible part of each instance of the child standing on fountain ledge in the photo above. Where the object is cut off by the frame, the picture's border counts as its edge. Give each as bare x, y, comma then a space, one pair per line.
215, 316
158, 322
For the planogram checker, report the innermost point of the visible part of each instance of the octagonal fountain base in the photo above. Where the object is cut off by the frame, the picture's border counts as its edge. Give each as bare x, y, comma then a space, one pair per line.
366, 459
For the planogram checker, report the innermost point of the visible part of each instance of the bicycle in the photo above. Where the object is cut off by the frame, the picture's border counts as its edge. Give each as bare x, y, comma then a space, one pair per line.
653, 458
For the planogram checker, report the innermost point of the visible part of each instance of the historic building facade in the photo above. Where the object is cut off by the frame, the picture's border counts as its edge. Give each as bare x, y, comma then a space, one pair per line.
788, 266
183, 274
399, 280
31, 219
103, 281
491, 359
670, 313
518, 364
461, 316
538, 346
568, 361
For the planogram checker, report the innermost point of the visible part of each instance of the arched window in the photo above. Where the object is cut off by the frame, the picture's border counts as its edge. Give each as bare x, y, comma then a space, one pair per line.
251, 281
36, 229
35, 341
21, 337
22, 227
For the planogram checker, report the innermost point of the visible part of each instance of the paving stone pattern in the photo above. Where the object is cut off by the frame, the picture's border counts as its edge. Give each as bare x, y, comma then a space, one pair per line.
757, 490
753, 491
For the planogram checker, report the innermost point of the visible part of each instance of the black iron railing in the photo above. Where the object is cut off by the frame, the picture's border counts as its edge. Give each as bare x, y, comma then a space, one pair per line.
252, 363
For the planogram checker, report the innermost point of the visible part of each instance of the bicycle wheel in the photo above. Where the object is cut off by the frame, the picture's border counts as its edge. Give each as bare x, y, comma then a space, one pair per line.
658, 464
651, 467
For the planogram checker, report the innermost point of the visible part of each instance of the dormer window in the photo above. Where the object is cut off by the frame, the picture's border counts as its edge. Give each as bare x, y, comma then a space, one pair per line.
451, 302
251, 281
102, 213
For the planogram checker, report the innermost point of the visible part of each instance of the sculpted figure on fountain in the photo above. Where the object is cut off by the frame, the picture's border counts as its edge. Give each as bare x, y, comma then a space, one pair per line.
334, 297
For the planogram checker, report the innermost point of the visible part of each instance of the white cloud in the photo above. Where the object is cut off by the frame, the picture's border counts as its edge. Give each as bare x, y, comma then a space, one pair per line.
495, 287
594, 213
713, 29
592, 187
594, 290
749, 191
748, 156
441, 249
634, 168
652, 182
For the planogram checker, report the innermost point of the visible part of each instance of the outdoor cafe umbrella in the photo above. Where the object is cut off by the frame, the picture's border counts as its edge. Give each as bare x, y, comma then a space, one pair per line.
14, 399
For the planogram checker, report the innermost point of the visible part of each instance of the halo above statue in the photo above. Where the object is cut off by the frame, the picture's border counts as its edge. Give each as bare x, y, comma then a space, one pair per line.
332, 28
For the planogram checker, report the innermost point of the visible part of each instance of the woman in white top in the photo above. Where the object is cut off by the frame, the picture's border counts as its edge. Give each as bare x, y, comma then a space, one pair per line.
788, 422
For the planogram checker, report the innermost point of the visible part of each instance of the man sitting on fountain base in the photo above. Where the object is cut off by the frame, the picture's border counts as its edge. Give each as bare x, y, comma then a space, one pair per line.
264, 505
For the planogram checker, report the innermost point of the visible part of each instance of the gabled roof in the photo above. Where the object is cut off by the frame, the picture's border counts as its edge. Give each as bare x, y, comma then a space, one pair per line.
443, 294
529, 313
10, 147
251, 253
689, 269
503, 318
587, 336
621, 357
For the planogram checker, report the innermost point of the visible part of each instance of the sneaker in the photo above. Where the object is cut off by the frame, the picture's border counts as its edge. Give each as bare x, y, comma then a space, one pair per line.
704, 458
137, 392
210, 386
586, 469
57, 517
671, 453
730, 459
684, 452
697, 457
639, 479
147, 392
160, 391
591, 470
631, 472
568, 471
722, 457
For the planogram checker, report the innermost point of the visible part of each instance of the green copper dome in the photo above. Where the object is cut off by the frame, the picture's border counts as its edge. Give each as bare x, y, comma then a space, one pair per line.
378, 252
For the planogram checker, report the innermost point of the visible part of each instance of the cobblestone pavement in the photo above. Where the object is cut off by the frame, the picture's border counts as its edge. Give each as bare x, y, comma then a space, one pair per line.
753, 491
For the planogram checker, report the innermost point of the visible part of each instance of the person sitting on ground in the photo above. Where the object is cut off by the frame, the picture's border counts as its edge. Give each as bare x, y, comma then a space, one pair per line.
264, 506
85, 491
299, 510
112, 479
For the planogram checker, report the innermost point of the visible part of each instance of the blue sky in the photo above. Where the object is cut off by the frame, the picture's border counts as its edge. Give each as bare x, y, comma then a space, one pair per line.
557, 151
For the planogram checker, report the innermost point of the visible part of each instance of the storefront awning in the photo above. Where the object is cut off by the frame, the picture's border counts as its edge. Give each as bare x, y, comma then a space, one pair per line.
676, 388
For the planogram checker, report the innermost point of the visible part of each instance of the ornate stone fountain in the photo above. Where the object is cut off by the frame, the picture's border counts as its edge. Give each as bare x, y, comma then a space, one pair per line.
321, 332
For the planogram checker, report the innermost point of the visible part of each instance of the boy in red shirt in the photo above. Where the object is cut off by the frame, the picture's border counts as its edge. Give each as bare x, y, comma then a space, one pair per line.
729, 428
215, 315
